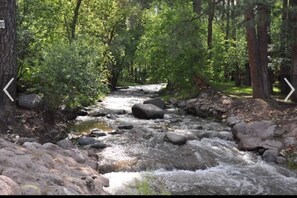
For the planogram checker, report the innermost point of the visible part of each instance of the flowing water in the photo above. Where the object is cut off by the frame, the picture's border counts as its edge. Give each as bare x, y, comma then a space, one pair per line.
139, 161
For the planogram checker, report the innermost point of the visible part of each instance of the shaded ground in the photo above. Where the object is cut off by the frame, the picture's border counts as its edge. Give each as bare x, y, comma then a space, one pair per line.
250, 110
31, 124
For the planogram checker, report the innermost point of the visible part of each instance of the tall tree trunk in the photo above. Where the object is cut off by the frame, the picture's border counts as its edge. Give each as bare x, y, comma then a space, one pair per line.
74, 20
211, 7
237, 71
197, 6
284, 67
8, 65
227, 37
262, 30
258, 86
293, 38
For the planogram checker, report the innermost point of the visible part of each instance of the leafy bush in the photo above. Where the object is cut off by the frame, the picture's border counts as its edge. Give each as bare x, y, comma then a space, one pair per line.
71, 75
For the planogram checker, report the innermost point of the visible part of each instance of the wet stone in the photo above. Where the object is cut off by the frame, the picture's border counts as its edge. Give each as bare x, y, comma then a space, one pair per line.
82, 113
127, 127
270, 156
98, 146
281, 160
115, 132
97, 134
175, 138
86, 141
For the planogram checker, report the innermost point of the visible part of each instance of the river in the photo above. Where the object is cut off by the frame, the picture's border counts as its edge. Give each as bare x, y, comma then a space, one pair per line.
138, 161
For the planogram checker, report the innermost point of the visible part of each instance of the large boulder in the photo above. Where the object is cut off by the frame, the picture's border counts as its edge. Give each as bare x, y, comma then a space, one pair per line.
147, 111
157, 102
30, 101
256, 135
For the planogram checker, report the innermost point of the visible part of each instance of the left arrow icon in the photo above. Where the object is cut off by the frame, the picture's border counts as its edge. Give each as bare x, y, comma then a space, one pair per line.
5, 89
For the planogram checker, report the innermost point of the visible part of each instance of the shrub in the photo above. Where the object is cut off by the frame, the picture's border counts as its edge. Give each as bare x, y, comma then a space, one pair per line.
71, 75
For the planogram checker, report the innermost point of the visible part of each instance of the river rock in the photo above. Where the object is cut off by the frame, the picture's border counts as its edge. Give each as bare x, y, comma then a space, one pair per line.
43, 170
30, 101
281, 160
181, 104
65, 144
8, 186
232, 120
254, 135
147, 111
270, 156
82, 112
157, 102
97, 133
98, 145
175, 138
33, 145
117, 111
22, 140
225, 135
116, 132
126, 126
290, 141
86, 140
98, 113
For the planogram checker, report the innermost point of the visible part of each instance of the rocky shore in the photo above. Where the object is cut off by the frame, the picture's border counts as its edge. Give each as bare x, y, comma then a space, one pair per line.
266, 127
47, 169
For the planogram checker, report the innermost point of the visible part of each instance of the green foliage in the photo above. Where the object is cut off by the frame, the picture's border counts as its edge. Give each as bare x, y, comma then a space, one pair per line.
171, 49
135, 41
71, 75
292, 160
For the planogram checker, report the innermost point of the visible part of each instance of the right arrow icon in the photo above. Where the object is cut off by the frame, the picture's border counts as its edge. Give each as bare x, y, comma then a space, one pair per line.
292, 89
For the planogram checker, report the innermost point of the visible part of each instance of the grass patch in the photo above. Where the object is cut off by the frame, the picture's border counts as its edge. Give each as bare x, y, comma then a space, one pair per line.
231, 89
122, 83
181, 94
150, 186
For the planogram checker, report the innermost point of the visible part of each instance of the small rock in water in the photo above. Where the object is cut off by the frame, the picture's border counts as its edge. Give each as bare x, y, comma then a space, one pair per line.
127, 127
98, 145
115, 132
175, 138
86, 140
120, 112
96, 130
281, 160
174, 120
111, 116
270, 156
97, 113
97, 133
199, 127
166, 116
82, 113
